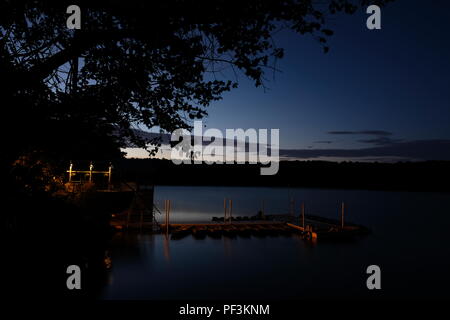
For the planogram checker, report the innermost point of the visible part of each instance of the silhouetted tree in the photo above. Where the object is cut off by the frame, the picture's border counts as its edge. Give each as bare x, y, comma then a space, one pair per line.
135, 63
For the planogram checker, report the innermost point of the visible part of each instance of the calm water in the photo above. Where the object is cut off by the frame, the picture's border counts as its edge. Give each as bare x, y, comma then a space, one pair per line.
410, 242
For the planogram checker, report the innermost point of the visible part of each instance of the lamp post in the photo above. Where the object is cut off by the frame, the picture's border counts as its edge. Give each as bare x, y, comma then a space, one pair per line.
70, 171
91, 167
109, 174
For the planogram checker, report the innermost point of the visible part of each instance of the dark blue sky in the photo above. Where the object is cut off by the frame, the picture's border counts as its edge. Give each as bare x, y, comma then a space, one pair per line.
395, 79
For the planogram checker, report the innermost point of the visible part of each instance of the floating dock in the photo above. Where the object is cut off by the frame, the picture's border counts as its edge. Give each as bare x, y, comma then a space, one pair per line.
231, 230
313, 230
310, 227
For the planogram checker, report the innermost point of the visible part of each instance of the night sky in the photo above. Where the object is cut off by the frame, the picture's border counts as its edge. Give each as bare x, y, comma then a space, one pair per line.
383, 92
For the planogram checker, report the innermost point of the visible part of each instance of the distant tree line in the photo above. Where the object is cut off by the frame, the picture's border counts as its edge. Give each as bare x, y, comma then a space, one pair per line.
406, 176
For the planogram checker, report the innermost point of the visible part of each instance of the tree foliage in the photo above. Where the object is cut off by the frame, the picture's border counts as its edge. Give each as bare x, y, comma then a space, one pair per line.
136, 63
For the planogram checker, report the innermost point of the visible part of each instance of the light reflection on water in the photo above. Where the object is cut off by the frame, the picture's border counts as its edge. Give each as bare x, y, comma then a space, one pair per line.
409, 242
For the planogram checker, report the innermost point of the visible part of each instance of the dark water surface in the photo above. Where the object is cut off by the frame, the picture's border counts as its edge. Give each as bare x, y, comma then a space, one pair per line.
410, 242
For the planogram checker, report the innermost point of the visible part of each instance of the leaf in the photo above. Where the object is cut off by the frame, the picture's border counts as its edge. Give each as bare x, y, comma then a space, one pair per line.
327, 32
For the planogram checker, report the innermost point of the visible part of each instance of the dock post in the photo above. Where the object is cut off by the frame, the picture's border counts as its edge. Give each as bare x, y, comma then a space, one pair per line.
168, 216
262, 211
342, 214
128, 217
231, 210
224, 210
303, 214
141, 219
292, 206
166, 207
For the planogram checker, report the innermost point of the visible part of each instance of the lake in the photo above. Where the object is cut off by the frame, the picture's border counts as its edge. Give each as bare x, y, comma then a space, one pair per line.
409, 241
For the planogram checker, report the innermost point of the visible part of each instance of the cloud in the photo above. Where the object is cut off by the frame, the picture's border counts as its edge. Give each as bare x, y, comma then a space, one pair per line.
382, 149
363, 132
381, 138
380, 141
410, 150
165, 138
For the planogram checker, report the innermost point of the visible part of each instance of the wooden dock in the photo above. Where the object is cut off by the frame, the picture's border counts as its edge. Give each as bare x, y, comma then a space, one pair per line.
231, 230
310, 227
312, 231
